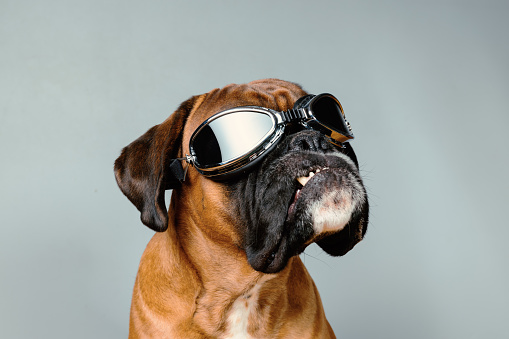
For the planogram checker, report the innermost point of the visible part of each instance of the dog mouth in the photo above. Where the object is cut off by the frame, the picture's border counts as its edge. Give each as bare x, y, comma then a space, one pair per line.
307, 183
301, 182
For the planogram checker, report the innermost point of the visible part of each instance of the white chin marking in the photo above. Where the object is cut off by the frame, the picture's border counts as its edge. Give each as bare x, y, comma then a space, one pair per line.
334, 209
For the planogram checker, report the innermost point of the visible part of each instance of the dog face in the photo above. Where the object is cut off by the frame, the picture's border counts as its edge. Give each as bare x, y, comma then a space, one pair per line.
305, 190
283, 216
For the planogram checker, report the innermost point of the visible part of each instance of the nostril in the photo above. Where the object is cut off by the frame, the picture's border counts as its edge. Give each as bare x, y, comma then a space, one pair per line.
307, 141
301, 142
304, 145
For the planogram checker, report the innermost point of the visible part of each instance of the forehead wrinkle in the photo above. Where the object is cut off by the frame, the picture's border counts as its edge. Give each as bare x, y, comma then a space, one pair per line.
277, 95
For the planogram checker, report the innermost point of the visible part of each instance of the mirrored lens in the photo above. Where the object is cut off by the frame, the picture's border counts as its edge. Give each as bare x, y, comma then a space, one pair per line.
230, 136
328, 112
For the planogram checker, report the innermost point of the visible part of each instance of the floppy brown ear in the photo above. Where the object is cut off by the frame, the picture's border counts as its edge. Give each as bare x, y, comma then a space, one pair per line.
142, 169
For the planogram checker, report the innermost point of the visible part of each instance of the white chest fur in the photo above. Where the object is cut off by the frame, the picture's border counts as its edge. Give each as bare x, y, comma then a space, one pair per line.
242, 309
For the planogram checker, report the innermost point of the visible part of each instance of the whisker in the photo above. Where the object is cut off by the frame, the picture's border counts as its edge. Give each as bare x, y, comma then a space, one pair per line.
309, 255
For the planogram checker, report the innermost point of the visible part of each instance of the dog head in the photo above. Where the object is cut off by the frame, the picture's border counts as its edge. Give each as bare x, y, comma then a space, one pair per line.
305, 190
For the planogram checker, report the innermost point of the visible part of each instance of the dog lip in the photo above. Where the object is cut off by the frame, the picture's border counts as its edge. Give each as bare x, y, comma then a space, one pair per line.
270, 260
277, 258
291, 208
303, 180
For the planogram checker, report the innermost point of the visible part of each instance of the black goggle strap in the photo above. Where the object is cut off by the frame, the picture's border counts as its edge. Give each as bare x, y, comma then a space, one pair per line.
296, 114
177, 171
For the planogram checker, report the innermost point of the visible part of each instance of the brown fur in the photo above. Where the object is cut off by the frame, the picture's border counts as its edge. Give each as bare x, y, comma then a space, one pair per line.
190, 275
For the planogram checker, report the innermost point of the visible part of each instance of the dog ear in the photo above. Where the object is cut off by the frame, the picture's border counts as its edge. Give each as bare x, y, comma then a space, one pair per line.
143, 168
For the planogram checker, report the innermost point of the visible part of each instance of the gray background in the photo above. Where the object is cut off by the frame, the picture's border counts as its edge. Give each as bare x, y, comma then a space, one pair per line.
424, 84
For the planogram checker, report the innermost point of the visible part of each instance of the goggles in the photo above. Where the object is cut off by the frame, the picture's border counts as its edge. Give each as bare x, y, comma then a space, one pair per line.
236, 139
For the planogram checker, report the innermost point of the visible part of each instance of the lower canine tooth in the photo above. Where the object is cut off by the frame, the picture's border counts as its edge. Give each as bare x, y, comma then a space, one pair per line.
303, 180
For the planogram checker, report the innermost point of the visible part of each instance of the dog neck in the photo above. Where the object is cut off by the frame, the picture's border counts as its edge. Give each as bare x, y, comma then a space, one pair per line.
232, 299
193, 283
227, 302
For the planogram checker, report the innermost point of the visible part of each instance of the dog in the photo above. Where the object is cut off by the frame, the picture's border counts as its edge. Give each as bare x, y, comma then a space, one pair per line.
224, 262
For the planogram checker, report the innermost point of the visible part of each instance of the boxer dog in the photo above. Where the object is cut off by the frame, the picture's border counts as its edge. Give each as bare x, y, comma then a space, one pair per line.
224, 262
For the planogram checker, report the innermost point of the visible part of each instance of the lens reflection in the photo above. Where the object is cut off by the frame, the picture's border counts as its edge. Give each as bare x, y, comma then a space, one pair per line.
231, 136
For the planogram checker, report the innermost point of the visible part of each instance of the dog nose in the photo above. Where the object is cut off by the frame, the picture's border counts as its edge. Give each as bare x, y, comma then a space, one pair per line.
308, 141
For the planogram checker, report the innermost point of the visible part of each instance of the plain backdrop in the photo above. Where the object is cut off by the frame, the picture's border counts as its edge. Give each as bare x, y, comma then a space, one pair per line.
425, 85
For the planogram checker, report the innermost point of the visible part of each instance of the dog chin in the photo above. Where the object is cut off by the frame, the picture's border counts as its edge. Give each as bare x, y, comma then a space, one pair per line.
341, 196
328, 197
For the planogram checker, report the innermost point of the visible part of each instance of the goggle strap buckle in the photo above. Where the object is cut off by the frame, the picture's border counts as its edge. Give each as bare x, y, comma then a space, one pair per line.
178, 173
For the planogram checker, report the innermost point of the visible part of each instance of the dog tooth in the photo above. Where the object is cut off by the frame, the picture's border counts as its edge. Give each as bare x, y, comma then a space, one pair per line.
303, 180
312, 174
